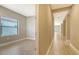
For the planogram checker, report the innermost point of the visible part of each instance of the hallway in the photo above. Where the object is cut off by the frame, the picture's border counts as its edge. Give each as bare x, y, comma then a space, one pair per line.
25, 47
60, 47
61, 42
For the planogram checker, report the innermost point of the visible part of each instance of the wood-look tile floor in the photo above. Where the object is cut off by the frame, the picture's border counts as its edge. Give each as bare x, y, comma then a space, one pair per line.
61, 47
25, 47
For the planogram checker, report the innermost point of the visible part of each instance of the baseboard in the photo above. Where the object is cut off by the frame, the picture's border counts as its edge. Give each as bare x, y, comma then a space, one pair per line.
74, 48
49, 48
30, 38
11, 42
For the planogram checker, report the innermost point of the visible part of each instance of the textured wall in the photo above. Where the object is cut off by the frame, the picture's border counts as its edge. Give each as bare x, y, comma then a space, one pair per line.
74, 26
45, 28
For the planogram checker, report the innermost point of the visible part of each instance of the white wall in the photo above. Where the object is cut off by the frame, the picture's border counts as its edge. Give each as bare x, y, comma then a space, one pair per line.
30, 27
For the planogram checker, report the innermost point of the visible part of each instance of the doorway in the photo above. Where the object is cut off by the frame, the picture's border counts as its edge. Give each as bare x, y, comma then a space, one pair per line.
60, 29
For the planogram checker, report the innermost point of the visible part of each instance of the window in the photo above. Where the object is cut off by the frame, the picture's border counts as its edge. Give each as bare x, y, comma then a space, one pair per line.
8, 26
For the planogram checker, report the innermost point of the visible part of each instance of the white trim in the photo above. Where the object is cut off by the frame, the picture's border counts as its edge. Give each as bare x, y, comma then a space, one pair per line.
74, 48
30, 38
49, 48
7, 43
37, 29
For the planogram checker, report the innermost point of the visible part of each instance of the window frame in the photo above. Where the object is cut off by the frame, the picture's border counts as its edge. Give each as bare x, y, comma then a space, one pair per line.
9, 26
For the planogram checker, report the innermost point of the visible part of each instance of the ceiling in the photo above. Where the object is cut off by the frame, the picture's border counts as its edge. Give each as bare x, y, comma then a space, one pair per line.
24, 9
59, 6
